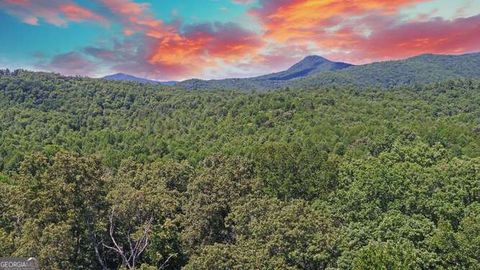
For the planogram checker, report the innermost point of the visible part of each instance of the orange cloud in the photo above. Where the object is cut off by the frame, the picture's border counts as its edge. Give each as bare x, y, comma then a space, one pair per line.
285, 20
363, 31
201, 47
178, 53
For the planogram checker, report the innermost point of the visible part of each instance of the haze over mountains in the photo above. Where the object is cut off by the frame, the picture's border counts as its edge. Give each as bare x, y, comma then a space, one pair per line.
315, 71
420, 69
131, 78
310, 65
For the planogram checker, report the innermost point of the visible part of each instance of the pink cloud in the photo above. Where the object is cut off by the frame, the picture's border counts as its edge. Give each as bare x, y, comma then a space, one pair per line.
135, 17
54, 12
180, 55
202, 46
403, 40
364, 31
304, 20
169, 51
76, 13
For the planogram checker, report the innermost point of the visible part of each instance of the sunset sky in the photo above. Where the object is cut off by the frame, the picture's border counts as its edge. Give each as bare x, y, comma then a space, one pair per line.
181, 39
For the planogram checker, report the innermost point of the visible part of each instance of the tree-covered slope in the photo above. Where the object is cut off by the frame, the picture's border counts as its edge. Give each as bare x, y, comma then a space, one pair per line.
416, 70
97, 174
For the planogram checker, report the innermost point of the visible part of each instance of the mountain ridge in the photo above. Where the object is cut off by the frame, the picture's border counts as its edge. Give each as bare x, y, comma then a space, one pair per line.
130, 78
307, 66
316, 71
424, 68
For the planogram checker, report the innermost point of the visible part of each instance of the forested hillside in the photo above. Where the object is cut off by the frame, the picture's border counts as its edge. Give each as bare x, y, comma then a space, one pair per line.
421, 69
98, 174
427, 68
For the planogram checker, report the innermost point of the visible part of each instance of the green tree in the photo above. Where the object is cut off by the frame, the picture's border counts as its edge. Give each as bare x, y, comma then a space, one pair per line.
61, 208
144, 204
292, 171
210, 196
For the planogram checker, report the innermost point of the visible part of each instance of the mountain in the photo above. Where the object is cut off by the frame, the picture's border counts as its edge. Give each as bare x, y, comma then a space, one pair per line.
426, 68
131, 78
316, 71
310, 65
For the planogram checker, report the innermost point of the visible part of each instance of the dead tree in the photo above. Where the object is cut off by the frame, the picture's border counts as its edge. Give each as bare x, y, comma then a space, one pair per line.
135, 246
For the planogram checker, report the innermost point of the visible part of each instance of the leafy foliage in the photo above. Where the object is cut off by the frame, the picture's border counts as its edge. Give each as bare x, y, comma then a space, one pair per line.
98, 174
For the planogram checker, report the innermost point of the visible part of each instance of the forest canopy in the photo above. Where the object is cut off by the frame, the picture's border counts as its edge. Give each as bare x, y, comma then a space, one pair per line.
98, 174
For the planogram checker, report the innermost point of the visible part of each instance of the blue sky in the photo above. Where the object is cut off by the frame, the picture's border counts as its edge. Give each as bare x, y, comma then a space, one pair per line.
182, 39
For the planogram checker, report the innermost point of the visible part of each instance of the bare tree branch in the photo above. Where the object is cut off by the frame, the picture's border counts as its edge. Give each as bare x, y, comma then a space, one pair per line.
164, 264
136, 247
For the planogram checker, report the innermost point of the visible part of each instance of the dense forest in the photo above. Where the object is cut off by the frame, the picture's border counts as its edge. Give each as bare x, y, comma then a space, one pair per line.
98, 174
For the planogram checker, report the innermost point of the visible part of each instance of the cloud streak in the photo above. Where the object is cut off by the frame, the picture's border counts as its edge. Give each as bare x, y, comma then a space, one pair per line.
55, 12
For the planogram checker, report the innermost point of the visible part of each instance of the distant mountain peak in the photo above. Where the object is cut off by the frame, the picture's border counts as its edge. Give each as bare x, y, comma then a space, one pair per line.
127, 77
311, 61
130, 78
307, 66
315, 58
119, 74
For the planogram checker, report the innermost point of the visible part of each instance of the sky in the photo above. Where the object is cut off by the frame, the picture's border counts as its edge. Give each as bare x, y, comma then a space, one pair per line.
212, 39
